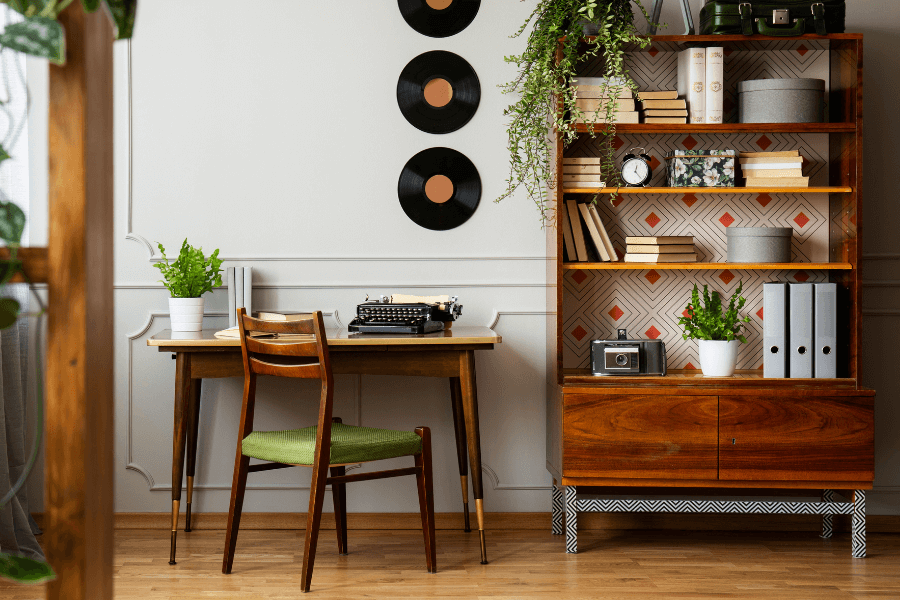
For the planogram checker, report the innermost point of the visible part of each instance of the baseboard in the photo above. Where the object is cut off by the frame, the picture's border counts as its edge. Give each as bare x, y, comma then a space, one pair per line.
517, 521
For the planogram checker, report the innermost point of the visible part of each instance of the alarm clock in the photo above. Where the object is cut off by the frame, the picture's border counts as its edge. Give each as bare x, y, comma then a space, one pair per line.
636, 171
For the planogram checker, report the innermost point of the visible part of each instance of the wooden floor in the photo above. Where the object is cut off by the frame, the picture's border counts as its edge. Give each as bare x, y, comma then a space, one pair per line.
524, 564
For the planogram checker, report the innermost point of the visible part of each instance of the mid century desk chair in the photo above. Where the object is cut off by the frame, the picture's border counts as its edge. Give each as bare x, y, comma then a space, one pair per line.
301, 350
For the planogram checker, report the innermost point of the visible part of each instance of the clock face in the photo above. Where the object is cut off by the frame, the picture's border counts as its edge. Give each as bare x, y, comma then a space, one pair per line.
635, 171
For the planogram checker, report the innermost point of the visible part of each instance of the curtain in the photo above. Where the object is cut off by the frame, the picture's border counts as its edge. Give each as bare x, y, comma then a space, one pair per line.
17, 527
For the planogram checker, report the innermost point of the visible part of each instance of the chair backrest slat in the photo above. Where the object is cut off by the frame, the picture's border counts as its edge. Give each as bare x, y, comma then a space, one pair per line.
285, 347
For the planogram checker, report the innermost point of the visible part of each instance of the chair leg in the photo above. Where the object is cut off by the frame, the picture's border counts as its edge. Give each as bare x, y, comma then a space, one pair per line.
424, 482
238, 486
339, 495
313, 519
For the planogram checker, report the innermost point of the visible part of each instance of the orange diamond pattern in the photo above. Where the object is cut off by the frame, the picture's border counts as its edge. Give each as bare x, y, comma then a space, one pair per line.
691, 365
689, 142
617, 142
801, 219
726, 276
764, 200
653, 51
579, 276
617, 201
652, 333
759, 313
763, 142
616, 313
654, 163
802, 49
689, 199
652, 276
652, 219
801, 276
578, 333
726, 219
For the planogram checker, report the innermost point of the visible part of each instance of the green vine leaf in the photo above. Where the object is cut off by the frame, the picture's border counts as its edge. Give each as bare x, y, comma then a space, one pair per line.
90, 5
12, 223
37, 36
546, 105
122, 13
25, 570
9, 312
4, 155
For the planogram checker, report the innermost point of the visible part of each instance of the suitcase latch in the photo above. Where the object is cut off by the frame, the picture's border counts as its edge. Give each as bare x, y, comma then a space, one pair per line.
781, 16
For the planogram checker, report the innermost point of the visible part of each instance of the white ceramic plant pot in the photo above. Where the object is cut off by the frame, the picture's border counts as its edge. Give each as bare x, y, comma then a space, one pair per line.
186, 314
718, 358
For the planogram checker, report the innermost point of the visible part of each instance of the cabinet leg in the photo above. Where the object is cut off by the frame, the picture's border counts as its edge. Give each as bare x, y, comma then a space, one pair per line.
556, 510
827, 526
571, 521
859, 524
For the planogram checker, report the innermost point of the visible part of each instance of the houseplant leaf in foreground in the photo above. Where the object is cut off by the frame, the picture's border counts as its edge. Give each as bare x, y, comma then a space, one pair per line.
9, 312
37, 36
12, 223
25, 570
122, 13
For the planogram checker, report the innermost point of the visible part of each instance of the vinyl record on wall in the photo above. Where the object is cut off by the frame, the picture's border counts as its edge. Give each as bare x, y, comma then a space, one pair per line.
439, 188
438, 92
439, 18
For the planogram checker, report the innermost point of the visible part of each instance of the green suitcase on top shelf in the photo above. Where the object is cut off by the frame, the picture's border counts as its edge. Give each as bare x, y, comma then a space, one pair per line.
782, 18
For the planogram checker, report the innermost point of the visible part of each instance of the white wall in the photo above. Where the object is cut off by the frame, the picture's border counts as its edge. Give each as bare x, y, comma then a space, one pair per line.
275, 136
238, 116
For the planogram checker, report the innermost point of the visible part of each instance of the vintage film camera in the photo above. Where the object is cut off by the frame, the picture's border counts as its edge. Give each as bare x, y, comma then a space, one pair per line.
628, 357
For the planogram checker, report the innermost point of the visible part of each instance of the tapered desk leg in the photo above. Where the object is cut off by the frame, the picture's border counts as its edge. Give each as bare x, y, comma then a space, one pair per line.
470, 410
459, 428
182, 398
193, 426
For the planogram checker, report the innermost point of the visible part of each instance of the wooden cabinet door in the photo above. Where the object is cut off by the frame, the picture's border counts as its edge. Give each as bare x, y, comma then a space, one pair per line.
672, 437
806, 438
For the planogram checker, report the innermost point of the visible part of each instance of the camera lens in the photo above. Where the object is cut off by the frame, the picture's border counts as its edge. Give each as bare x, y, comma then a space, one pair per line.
621, 360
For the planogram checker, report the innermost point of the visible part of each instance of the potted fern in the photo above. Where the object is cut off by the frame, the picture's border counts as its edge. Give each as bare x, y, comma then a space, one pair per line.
187, 278
556, 47
718, 333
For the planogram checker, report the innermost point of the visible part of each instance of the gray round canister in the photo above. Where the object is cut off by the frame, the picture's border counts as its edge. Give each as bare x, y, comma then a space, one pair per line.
782, 101
759, 244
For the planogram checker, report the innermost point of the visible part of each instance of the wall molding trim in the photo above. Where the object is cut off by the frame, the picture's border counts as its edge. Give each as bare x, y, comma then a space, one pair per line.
498, 313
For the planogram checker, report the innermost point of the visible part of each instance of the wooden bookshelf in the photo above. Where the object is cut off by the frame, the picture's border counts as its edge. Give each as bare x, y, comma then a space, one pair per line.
684, 429
620, 266
710, 190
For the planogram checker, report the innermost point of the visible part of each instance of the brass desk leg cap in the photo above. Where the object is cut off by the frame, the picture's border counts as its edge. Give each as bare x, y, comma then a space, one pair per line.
172, 551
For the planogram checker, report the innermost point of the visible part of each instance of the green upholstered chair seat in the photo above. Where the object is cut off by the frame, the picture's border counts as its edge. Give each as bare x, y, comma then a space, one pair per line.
349, 444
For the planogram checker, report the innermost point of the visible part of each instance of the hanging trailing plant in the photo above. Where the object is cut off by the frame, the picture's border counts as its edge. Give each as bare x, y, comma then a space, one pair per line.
555, 49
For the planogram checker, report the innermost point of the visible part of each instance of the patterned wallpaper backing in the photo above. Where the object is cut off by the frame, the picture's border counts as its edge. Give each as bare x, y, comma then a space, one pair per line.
649, 303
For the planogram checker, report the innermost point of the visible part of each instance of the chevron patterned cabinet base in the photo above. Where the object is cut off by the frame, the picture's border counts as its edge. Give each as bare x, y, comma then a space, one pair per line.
827, 507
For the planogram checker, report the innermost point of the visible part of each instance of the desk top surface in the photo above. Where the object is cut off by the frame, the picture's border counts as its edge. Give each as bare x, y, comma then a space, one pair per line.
342, 337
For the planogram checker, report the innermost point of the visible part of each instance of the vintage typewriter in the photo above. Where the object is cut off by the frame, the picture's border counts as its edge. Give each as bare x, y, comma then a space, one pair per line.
405, 314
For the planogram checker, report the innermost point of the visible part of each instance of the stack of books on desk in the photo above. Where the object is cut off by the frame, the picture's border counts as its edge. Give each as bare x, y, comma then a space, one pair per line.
663, 106
773, 169
582, 173
660, 249
592, 94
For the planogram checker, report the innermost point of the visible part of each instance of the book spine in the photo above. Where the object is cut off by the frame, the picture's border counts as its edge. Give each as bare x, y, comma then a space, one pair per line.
691, 80
604, 235
575, 220
248, 290
232, 316
594, 233
569, 242
715, 84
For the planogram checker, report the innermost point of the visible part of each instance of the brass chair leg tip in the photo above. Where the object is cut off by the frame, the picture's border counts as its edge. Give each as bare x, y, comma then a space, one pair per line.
484, 562
172, 562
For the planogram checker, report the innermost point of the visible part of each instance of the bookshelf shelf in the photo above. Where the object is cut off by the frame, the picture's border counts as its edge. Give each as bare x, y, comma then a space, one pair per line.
623, 266
723, 128
708, 190
695, 378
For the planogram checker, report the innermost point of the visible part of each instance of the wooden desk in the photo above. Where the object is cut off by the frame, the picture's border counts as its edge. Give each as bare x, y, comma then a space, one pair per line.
449, 354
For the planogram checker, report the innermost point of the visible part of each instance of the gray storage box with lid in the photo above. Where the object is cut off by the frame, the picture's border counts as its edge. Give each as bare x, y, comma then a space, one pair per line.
759, 244
782, 101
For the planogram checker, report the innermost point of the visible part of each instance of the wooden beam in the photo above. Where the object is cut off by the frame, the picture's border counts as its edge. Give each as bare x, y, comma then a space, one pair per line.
34, 263
79, 446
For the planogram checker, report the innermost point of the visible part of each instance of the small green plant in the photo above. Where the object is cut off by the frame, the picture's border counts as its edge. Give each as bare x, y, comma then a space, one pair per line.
191, 274
708, 322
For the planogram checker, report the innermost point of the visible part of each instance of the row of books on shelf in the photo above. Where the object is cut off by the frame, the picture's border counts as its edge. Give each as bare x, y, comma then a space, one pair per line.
773, 169
593, 94
586, 239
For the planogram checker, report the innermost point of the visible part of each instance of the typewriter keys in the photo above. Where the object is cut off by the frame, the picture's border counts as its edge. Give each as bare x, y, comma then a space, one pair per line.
439, 188
439, 18
438, 92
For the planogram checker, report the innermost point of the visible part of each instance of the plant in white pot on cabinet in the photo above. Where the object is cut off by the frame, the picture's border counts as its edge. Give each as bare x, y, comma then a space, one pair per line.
187, 278
718, 332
